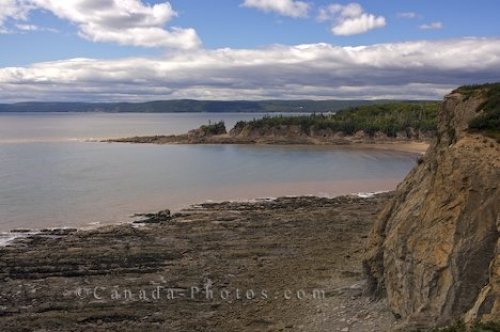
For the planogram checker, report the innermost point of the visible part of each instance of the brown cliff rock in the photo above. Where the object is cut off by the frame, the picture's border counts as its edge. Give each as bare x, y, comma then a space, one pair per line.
434, 250
294, 134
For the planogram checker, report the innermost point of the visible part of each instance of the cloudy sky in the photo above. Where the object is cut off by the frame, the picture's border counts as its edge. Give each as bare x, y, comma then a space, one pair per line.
136, 50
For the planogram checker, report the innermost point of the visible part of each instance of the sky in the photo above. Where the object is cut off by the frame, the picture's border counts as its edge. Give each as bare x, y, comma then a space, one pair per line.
139, 50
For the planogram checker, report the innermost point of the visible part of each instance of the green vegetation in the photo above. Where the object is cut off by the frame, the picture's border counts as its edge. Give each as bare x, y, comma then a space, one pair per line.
386, 118
477, 327
469, 90
489, 122
217, 128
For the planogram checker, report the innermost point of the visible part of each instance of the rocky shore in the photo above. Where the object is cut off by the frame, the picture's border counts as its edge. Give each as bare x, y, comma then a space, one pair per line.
351, 142
291, 264
417, 146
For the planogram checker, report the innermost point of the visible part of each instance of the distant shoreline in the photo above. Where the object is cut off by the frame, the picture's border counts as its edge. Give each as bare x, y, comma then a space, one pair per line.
418, 147
196, 106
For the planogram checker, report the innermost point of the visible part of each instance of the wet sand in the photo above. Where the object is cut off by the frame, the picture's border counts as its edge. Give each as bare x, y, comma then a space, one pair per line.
411, 147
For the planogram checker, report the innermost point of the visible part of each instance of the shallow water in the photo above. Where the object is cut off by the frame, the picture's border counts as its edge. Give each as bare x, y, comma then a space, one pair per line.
47, 180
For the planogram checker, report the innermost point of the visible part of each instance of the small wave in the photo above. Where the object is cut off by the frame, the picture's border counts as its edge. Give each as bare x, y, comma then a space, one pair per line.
262, 199
370, 194
43, 140
6, 238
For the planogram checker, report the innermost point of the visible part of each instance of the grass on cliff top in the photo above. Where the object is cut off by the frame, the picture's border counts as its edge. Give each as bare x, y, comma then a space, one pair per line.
468, 90
387, 118
477, 327
489, 122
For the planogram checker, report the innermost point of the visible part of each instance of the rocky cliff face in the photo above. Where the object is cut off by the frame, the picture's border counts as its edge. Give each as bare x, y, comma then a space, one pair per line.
435, 250
294, 133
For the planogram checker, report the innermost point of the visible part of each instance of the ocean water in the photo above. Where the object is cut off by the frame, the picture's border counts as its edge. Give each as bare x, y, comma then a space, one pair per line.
56, 127
50, 176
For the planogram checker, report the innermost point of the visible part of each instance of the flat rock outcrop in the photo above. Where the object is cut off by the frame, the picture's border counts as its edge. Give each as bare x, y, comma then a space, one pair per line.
434, 250
91, 280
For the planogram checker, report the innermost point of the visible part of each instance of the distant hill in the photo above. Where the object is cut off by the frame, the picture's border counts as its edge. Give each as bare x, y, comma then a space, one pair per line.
187, 105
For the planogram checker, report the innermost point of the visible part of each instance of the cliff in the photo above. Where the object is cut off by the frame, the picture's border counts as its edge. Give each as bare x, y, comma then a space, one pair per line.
434, 250
285, 134
295, 134
365, 124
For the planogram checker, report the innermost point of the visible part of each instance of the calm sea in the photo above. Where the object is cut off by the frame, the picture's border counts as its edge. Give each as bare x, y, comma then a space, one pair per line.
51, 177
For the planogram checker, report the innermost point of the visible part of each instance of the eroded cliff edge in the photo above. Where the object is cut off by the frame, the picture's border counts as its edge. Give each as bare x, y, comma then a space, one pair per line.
434, 250
403, 122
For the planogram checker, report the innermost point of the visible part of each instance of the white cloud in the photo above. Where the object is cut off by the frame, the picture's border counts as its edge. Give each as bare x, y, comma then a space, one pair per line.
12, 9
290, 8
33, 27
432, 26
408, 15
423, 69
333, 11
357, 25
27, 27
349, 19
126, 22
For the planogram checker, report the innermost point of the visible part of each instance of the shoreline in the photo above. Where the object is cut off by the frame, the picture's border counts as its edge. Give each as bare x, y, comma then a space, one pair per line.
411, 147
9, 236
417, 147
264, 245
